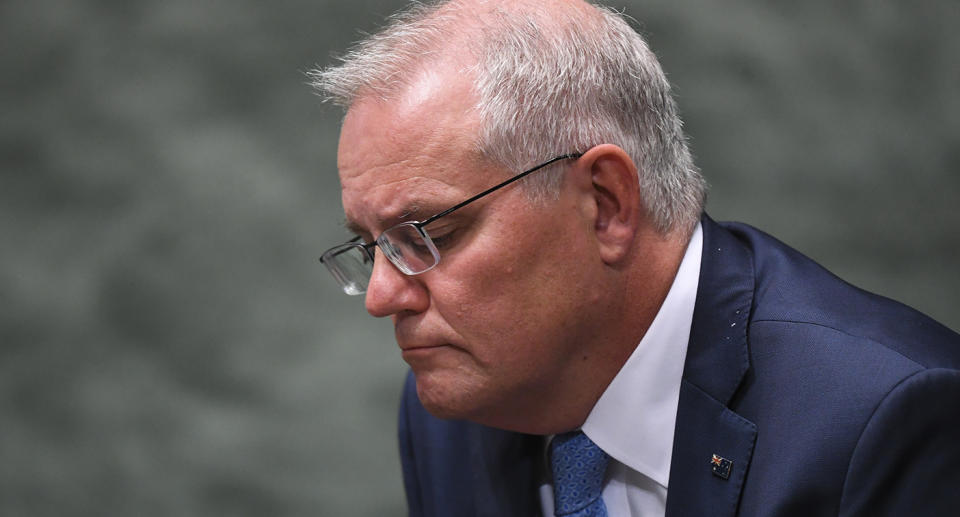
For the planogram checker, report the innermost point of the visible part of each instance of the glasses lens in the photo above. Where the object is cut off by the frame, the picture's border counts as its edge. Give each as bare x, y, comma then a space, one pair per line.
351, 266
409, 248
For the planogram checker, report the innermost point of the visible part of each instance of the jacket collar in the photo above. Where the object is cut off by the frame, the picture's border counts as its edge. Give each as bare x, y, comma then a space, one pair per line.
717, 359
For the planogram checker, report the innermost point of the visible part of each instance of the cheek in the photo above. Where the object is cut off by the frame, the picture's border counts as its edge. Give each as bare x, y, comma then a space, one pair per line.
513, 291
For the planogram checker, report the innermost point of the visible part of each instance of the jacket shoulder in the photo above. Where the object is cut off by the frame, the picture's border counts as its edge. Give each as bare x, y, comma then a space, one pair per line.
792, 288
836, 375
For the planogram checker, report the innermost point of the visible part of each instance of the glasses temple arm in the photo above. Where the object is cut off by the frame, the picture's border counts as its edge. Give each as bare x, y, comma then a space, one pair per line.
497, 186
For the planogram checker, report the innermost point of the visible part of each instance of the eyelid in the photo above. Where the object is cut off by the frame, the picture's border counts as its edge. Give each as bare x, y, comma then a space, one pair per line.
444, 235
440, 227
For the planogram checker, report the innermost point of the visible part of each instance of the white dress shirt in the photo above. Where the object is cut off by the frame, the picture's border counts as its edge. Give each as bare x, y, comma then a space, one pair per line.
634, 419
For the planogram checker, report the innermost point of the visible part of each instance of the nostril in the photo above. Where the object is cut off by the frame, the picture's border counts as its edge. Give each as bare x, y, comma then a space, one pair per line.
391, 292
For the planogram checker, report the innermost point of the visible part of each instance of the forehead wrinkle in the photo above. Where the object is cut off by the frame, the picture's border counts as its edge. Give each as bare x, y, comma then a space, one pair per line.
413, 212
405, 203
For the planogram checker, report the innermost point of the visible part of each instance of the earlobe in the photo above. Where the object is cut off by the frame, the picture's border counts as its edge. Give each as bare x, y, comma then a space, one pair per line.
615, 192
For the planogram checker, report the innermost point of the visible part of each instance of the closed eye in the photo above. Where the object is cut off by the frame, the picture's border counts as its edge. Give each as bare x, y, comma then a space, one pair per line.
442, 239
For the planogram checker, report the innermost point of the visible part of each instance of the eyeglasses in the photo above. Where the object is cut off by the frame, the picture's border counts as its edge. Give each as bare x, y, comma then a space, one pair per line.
407, 245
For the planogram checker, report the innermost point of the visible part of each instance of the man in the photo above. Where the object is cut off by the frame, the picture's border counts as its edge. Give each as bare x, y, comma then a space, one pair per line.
582, 339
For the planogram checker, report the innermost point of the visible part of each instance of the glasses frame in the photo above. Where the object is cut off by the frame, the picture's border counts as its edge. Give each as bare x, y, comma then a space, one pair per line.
367, 247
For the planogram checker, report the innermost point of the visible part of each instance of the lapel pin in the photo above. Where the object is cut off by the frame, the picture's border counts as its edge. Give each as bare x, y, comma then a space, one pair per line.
721, 466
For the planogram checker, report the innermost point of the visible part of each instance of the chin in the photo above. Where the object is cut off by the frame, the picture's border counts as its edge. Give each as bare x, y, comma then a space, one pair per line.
446, 397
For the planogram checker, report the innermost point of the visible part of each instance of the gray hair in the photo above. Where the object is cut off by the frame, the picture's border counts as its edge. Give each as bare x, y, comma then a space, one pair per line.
548, 81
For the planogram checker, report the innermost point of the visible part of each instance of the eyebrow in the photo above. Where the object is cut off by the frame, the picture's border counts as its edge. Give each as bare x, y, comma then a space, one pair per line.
414, 211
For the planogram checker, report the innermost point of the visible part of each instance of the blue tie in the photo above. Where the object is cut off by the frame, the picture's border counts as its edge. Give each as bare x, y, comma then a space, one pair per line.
578, 466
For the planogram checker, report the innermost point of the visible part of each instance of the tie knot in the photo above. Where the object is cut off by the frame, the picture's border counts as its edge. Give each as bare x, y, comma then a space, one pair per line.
578, 467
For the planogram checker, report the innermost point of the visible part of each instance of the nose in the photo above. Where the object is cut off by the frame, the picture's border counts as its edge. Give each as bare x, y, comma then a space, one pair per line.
390, 292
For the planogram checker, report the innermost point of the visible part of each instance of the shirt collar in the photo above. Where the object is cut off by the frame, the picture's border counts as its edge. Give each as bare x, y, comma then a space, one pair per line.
634, 419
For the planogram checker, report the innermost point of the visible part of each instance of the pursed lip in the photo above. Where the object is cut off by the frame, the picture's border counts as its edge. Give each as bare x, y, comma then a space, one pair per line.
414, 336
413, 348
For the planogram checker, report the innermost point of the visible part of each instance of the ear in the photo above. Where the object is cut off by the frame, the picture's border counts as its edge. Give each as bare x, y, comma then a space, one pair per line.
613, 198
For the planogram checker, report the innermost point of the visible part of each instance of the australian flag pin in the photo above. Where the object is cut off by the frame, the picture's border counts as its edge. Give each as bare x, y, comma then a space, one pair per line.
721, 466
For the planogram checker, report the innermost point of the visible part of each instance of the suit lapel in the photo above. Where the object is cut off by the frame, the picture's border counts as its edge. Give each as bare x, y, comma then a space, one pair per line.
716, 362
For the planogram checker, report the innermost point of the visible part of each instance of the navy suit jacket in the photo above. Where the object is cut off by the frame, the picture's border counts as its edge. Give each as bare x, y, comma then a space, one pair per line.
827, 399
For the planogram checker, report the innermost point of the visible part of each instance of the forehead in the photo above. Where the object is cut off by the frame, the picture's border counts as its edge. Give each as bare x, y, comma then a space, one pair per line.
413, 153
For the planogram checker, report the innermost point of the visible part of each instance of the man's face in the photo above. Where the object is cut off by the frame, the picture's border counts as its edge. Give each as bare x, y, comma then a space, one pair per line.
500, 321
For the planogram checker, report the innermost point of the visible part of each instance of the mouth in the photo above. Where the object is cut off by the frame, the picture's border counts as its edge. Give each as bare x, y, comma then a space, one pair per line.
419, 348
418, 340
414, 352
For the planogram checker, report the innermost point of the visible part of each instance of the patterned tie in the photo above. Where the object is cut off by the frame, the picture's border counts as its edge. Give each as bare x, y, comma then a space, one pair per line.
578, 466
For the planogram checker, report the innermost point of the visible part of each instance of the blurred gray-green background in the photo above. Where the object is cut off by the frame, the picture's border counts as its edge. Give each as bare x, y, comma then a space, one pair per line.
169, 344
